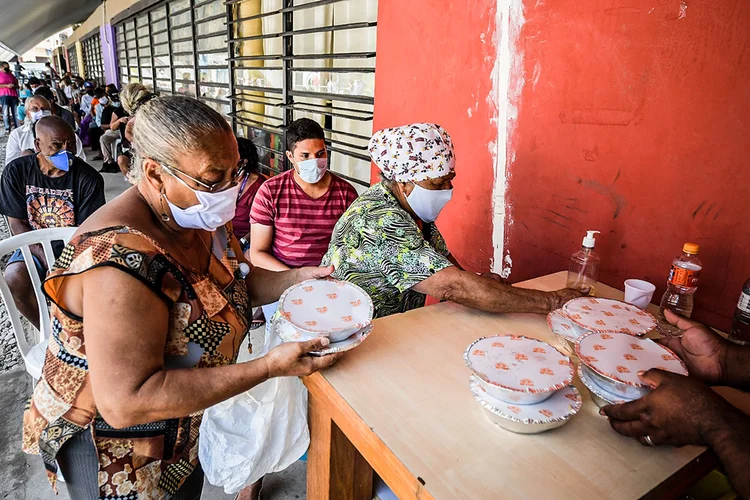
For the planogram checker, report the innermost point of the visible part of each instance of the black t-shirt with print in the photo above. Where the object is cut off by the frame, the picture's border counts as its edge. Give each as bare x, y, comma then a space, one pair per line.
27, 194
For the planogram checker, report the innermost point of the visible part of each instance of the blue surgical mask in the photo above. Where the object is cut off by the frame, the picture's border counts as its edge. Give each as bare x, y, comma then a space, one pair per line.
62, 160
116, 104
312, 171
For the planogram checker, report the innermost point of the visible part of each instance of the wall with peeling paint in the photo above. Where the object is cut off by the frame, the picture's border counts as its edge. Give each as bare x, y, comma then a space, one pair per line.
634, 120
435, 65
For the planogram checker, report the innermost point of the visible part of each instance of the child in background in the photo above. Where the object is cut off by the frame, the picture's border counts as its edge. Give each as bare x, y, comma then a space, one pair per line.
21, 110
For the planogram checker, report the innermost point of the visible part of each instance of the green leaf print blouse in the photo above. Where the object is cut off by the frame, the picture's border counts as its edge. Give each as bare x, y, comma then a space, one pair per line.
377, 245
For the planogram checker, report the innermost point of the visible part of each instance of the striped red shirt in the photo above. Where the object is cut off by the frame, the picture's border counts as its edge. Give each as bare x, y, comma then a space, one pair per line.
302, 226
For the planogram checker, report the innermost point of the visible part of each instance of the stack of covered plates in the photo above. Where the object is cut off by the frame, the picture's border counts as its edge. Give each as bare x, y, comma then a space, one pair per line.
610, 363
329, 308
579, 317
523, 384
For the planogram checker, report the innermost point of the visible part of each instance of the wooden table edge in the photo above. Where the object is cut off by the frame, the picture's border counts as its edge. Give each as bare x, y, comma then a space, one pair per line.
675, 485
404, 483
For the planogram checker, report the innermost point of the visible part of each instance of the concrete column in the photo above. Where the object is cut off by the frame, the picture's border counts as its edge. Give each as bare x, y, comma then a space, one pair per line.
109, 56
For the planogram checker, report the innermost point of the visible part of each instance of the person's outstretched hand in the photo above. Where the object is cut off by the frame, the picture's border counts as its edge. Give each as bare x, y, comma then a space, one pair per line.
292, 359
564, 295
679, 411
313, 273
701, 349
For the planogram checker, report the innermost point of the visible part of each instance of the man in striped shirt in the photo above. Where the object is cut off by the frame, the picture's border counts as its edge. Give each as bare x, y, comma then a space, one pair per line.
294, 213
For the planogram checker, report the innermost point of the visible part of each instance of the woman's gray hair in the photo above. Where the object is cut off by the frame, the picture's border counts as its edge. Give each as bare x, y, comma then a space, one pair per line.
172, 126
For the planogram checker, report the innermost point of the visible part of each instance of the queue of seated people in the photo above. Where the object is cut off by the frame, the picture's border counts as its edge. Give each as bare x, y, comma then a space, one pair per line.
95, 113
384, 240
46, 181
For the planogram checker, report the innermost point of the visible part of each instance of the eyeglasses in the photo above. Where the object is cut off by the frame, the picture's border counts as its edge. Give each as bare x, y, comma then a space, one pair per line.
216, 187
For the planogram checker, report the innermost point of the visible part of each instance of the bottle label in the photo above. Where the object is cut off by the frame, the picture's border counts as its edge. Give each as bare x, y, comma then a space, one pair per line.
680, 276
744, 303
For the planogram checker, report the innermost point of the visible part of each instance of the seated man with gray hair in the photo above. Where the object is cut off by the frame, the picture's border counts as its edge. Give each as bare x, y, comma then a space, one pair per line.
21, 140
52, 188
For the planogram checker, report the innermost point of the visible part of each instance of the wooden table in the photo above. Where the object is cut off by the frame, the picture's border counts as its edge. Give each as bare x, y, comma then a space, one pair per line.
400, 404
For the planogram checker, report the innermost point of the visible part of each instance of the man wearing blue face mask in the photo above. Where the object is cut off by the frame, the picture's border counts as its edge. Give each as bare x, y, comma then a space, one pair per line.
21, 140
388, 244
52, 188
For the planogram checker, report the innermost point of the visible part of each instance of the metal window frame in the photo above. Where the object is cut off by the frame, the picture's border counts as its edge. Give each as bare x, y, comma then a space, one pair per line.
93, 63
125, 69
73, 59
290, 99
286, 97
149, 9
199, 85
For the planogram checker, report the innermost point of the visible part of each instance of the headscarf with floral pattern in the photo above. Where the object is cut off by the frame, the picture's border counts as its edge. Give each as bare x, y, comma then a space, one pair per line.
412, 153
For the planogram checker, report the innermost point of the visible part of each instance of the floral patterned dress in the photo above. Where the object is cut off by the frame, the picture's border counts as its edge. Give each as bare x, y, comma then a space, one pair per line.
208, 321
377, 245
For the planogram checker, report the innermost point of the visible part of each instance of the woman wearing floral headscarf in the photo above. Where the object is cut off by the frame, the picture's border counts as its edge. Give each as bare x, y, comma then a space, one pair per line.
388, 244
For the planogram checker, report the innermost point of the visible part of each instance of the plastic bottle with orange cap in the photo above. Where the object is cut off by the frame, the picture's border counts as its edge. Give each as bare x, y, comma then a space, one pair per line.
682, 282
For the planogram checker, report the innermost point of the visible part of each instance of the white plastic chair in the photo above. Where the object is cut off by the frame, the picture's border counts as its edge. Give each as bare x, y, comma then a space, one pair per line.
32, 352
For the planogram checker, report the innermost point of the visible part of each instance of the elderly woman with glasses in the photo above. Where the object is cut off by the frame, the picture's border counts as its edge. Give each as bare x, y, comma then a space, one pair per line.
150, 303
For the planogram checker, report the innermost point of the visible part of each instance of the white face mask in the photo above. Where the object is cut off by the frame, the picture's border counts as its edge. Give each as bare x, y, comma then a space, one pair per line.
428, 203
212, 211
311, 171
103, 101
38, 115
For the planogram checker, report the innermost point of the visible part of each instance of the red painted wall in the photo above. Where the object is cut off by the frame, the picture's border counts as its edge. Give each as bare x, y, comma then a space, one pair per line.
634, 120
434, 63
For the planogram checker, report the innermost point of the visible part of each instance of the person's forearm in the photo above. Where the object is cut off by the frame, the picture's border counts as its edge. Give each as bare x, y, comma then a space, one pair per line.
178, 393
489, 295
265, 287
266, 260
475, 291
736, 363
18, 226
729, 439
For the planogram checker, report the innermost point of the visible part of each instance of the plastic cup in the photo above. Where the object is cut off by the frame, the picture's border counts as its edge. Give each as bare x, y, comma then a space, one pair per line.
639, 293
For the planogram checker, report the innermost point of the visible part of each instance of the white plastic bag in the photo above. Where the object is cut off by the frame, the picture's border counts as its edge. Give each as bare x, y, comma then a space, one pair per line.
261, 431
